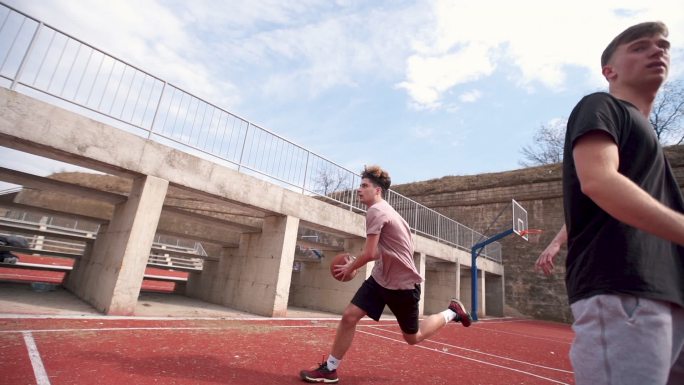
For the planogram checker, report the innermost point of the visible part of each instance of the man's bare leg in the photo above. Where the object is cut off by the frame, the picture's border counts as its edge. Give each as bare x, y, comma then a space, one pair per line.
346, 330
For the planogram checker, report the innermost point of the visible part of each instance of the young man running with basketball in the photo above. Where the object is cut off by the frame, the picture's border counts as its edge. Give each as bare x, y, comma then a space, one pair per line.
623, 224
394, 281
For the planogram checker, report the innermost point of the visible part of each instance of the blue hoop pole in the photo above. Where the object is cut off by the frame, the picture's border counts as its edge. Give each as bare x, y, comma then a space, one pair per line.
474, 253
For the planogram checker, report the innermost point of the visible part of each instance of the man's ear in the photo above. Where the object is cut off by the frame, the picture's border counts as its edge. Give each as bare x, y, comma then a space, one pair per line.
608, 72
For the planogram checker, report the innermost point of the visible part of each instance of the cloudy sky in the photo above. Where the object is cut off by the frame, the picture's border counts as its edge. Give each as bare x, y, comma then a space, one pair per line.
423, 88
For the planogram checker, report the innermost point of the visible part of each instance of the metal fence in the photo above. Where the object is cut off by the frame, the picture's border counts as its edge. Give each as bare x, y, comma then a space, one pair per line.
37, 58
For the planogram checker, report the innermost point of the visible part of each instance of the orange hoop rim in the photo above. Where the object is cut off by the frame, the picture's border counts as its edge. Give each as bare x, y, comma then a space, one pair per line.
531, 231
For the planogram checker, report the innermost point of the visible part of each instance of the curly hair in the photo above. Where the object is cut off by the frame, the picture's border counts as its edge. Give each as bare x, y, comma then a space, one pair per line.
378, 176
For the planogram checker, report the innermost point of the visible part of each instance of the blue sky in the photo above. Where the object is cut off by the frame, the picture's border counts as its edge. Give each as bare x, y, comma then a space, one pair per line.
423, 88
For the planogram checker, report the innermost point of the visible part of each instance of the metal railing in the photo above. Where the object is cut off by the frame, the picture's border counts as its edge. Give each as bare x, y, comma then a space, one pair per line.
36, 57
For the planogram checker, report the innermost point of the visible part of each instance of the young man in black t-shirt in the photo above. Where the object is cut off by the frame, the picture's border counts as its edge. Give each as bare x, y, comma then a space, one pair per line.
624, 224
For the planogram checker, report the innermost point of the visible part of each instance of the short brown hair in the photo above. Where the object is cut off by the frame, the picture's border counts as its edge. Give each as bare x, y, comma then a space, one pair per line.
632, 33
378, 176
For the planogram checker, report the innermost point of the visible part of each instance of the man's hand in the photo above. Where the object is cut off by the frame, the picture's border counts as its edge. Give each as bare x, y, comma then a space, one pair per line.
545, 261
346, 270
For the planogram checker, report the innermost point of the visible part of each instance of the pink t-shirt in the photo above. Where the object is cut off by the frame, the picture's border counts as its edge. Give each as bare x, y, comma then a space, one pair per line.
394, 267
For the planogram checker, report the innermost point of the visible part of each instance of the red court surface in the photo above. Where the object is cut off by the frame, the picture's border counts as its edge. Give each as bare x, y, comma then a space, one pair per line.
105, 350
91, 349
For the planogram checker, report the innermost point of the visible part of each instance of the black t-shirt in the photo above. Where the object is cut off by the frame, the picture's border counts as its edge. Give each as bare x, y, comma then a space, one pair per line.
606, 256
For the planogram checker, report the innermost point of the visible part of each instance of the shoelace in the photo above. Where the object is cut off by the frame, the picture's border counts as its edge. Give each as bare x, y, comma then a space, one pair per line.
324, 364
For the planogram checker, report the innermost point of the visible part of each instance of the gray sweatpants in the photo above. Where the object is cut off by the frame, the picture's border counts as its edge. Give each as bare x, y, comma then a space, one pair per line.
625, 340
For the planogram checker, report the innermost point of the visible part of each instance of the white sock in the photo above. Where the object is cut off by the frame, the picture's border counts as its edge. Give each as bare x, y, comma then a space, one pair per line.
332, 362
449, 315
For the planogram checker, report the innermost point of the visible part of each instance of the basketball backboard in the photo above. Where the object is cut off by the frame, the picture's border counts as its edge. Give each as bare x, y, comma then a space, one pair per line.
520, 220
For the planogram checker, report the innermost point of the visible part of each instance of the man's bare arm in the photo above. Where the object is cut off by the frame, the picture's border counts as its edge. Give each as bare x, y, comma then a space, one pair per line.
545, 261
597, 161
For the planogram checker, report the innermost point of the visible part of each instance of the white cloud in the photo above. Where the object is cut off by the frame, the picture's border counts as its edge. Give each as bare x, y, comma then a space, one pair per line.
339, 48
470, 96
430, 76
540, 40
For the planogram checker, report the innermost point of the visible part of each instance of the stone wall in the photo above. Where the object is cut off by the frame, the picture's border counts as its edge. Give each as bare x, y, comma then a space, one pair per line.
477, 200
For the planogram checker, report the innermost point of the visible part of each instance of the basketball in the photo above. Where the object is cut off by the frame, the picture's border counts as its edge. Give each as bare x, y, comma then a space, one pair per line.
340, 260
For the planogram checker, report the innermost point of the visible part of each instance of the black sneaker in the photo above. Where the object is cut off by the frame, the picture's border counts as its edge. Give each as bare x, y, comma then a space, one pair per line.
320, 374
462, 315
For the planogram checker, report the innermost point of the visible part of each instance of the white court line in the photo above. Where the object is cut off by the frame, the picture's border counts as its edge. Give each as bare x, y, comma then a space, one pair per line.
36, 362
501, 320
487, 354
76, 330
152, 318
467, 358
215, 318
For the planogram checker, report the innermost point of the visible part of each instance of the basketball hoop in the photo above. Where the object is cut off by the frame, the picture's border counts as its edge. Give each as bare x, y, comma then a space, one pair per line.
531, 235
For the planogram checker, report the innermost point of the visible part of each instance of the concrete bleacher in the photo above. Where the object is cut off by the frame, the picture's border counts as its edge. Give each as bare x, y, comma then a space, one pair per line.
66, 269
43, 241
25, 250
36, 266
178, 288
52, 241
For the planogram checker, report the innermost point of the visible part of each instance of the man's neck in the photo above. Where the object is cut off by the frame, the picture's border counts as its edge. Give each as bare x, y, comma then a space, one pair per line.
376, 200
642, 99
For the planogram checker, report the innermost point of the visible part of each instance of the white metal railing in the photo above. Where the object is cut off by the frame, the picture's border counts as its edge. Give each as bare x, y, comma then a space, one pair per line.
36, 57
57, 230
39, 242
172, 261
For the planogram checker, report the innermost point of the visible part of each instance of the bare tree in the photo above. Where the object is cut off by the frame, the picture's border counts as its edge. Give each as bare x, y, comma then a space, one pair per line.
548, 145
667, 113
330, 181
666, 118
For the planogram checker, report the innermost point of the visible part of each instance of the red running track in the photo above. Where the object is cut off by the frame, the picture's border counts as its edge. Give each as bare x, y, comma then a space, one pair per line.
102, 350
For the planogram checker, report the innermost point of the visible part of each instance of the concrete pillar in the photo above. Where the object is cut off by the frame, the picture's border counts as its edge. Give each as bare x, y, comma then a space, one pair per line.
419, 260
281, 237
465, 286
84, 271
316, 289
482, 293
457, 289
440, 285
255, 277
495, 295
111, 277
209, 284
